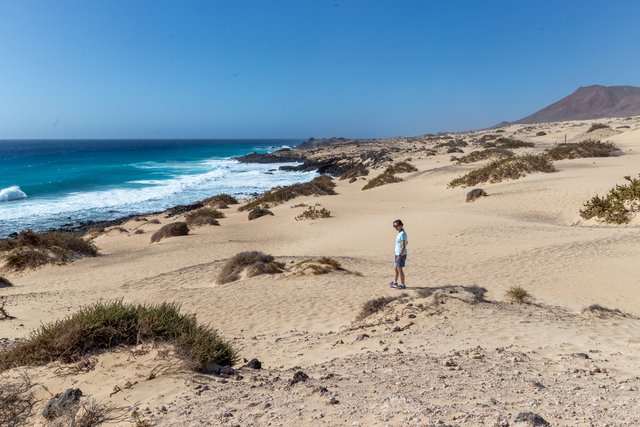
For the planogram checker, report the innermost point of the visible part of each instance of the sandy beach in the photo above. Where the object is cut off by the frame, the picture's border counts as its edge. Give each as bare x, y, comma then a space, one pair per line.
440, 355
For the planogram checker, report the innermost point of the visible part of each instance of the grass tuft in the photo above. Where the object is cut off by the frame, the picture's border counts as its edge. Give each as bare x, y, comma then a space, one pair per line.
30, 249
618, 206
105, 325
374, 306
320, 186
203, 216
582, 149
254, 263
518, 295
504, 169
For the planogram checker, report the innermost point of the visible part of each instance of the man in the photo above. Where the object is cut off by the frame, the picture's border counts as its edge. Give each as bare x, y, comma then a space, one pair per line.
400, 255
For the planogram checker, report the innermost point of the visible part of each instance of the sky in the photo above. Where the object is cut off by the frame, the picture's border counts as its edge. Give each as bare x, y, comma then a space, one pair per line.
300, 68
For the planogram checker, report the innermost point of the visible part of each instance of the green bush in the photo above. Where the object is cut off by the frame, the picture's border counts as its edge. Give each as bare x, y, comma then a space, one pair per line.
320, 186
485, 154
30, 249
617, 206
203, 216
582, 149
105, 325
504, 169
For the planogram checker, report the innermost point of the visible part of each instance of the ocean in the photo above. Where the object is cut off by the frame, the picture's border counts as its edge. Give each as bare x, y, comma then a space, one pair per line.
60, 183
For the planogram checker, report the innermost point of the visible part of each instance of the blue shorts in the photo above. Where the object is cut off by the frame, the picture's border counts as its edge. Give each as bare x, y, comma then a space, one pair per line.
400, 260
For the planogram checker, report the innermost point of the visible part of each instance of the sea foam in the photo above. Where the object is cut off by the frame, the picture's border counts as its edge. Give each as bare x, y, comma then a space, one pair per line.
12, 193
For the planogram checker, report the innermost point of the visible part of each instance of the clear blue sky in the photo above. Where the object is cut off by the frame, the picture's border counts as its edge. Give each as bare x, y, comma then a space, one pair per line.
300, 68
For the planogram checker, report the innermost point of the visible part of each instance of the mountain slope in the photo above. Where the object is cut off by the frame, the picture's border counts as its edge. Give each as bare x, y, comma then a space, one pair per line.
591, 102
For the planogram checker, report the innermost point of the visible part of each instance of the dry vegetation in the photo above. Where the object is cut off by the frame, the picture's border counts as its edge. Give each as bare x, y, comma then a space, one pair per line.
355, 172
4, 315
541, 133
382, 179
253, 263
401, 167
105, 325
586, 148
30, 249
16, 400
504, 142
474, 194
504, 169
618, 206
320, 186
597, 126
312, 213
518, 295
259, 212
374, 306
170, 230
318, 266
203, 216
221, 198
489, 153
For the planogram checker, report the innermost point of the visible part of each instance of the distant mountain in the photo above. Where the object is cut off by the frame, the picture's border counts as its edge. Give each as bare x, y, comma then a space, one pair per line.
591, 102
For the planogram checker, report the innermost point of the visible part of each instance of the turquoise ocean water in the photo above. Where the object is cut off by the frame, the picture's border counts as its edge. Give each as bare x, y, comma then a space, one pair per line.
56, 183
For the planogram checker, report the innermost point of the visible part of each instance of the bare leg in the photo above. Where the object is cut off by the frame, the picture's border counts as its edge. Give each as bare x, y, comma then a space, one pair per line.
400, 271
396, 278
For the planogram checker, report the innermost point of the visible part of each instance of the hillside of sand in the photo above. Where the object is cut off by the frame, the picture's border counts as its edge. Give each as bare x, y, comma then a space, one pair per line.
442, 354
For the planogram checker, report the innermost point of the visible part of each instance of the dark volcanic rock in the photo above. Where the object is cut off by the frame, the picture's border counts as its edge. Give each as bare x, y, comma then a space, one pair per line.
275, 157
253, 364
529, 419
60, 401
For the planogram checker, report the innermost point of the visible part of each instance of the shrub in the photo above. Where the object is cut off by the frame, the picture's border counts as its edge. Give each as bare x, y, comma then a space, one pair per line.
354, 172
5, 283
485, 154
258, 212
382, 179
486, 138
597, 126
454, 143
16, 400
624, 127
597, 310
4, 315
224, 198
374, 306
503, 169
313, 213
30, 249
586, 148
518, 295
203, 216
401, 167
474, 194
318, 266
105, 325
255, 263
541, 133
617, 206
512, 143
170, 230
320, 186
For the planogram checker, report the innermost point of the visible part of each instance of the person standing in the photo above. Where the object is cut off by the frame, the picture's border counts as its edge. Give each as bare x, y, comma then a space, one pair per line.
400, 257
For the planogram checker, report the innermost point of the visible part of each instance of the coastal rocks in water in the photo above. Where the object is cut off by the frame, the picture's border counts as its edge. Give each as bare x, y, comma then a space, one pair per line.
258, 212
5, 283
280, 156
476, 193
529, 419
170, 230
60, 402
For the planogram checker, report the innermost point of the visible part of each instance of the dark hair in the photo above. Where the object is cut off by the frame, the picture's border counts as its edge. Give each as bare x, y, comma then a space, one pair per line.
398, 222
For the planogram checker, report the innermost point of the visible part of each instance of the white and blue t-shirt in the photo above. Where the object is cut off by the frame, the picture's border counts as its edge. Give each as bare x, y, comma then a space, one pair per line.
399, 238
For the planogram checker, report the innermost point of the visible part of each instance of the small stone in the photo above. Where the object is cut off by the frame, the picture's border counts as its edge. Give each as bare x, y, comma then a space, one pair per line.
529, 419
333, 401
298, 377
253, 364
362, 337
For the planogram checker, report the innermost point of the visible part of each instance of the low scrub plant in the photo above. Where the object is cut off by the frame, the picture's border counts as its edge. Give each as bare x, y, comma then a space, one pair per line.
518, 295
253, 262
618, 206
224, 198
374, 306
382, 179
488, 153
170, 230
512, 143
203, 216
582, 149
105, 325
16, 400
401, 167
355, 172
312, 213
30, 249
504, 169
259, 212
541, 133
319, 266
320, 186
597, 126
